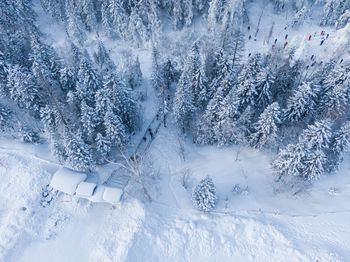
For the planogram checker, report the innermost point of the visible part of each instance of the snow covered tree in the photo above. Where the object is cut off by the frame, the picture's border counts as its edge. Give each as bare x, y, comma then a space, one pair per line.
301, 103
317, 136
197, 80
115, 130
336, 92
79, 154
103, 146
313, 165
204, 195
184, 105
340, 144
288, 162
22, 88
88, 81
300, 17
266, 129
333, 11
247, 87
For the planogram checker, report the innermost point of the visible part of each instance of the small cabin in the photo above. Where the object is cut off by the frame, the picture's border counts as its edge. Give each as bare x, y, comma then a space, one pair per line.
74, 183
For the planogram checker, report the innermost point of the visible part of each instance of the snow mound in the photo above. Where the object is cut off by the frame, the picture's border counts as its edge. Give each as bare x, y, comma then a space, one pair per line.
85, 189
67, 181
112, 195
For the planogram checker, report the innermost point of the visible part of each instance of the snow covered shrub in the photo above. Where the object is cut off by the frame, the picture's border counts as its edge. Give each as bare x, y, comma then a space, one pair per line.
29, 135
238, 190
204, 195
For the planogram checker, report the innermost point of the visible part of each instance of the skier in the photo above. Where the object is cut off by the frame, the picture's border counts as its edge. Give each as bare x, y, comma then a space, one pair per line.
250, 37
285, 44
157, 116
312, 57
341, 61
248, 27
249, 54
322, 32
322, 42
151, 134
309, 37
144, 138
313, 63
327, 36
307, 67
275, 40
286, 37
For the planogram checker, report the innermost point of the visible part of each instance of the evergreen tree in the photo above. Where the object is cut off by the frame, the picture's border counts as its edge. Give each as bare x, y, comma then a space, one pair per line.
313, 165
317, 136
336, 90
184, 105
266, 128
23, 88
115, 130
103, 146
301, 103
288, 162
204, 195
198, 83
79, 154
247, 87
339, 145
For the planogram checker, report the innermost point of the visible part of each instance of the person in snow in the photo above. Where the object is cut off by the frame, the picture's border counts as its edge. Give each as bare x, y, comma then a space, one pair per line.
157, 116
327, 36
285, 44
250, 37
309, 37
151, 134
322, 42
275, 40
313, 63
248, 27
312, 57
341, 61
144, 138
249, 54
286, 37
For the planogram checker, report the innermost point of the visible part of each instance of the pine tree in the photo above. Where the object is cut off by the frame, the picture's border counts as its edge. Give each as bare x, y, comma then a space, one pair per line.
335, 95
184, 105
288, 162
115, 130
79, 154
204, 195
23, 88
333, 11
266, 129
247, 87
317, 136
313, 165
103, 146
301, 103
339, 145
198, 82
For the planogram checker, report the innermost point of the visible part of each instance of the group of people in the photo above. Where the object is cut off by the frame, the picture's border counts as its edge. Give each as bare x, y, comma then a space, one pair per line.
323, 34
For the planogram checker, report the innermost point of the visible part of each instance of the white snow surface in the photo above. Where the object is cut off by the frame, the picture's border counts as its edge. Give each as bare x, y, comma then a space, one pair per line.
85, 189
67, 181
264, 223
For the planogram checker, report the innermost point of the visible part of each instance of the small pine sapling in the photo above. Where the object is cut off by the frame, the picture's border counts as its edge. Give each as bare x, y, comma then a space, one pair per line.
204, 195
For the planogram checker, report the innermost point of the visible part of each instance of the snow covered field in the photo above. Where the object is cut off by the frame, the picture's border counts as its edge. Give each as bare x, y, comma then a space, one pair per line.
261, 223
257, 225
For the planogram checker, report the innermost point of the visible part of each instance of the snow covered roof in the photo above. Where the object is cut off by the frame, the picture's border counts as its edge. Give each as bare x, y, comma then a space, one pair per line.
112, 195
85, 189
67, 180
97, 197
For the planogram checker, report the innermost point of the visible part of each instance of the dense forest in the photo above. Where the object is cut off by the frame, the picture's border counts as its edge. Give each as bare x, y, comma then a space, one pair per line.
88, 107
